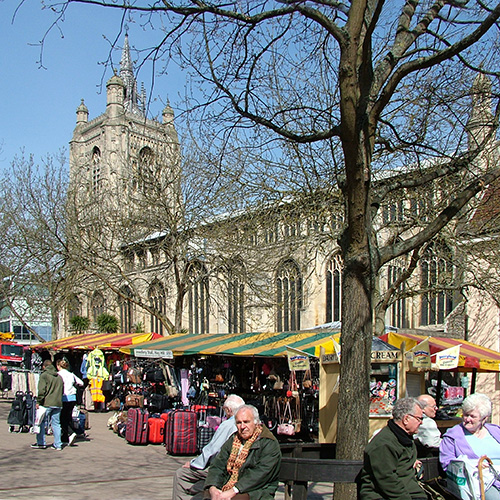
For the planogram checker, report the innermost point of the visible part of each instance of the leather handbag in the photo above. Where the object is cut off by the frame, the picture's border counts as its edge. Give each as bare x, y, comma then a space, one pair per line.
134, 400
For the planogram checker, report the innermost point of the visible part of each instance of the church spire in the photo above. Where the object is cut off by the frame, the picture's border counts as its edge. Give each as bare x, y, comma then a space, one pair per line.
131, 101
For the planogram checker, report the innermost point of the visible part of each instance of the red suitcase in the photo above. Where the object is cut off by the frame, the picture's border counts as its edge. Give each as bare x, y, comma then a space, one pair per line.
181, 433
156, 430
137, 426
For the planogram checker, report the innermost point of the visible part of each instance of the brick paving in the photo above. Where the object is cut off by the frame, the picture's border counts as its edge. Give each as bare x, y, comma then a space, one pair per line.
105, 466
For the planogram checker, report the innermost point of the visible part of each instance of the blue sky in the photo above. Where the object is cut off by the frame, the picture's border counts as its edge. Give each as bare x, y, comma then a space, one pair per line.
38, 105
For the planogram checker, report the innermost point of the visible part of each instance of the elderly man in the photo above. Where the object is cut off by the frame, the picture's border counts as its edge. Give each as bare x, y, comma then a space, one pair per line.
248, 465
428, 433
390, 457
189, 478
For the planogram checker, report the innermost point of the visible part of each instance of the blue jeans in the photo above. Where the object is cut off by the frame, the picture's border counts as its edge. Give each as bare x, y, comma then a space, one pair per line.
52, 416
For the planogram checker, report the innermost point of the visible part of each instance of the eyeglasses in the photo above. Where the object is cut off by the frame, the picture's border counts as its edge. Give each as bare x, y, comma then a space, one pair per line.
420, 419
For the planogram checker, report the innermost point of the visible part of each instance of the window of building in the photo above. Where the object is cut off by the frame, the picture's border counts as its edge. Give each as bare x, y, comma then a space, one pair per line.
236, 299
157, 302
97, 305
397, 310
436, 273
334, 289
126, 309
198, 299
288, 297
96, 170
74, 307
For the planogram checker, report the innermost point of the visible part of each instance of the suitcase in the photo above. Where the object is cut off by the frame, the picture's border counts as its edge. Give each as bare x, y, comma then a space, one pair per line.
137, 426
181, 433
156, 430
205, 434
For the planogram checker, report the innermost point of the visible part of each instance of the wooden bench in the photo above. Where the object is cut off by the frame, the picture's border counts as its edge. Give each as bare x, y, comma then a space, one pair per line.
297, 473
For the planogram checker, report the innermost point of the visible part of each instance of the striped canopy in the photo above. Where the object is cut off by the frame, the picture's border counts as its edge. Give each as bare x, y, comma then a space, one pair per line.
102, 340
472, 356
267, 344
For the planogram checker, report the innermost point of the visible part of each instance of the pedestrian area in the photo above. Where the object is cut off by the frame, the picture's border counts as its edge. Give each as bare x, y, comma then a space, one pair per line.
105, 466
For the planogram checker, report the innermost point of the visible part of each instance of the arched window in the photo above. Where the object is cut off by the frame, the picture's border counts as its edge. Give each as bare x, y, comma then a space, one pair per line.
334, 289
158, 303
236, 298
97, 305
436, 272
74, 307
198, 298
146, 172
96, 170
126, 309
288, 297
397, 310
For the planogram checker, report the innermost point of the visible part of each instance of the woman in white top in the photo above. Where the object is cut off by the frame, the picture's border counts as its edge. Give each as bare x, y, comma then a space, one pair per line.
68, 431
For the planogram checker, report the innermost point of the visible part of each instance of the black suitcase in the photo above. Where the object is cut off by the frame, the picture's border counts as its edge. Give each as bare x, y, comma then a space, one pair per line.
137, 426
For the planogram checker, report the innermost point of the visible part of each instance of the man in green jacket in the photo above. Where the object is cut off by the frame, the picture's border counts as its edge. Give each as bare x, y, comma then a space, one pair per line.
248, 464
50, 391
391, 457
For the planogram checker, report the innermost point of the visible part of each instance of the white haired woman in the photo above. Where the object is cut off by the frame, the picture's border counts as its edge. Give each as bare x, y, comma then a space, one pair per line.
474, 437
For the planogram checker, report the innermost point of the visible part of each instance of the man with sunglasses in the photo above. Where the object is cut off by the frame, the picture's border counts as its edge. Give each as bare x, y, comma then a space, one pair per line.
390, 457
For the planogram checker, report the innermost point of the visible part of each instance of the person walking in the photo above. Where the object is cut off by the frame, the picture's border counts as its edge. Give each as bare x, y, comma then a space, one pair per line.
70, 380
50, 391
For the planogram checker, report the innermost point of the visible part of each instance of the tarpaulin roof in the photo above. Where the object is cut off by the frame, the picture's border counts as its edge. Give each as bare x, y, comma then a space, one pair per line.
101, 340
266, 344
471, 355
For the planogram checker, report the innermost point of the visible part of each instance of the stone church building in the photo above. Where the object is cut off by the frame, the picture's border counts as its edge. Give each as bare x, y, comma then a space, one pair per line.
273, 270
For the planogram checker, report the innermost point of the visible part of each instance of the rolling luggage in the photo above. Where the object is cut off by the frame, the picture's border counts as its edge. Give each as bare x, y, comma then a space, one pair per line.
205, 434
156, 430
181, 433
137, 426
18, 413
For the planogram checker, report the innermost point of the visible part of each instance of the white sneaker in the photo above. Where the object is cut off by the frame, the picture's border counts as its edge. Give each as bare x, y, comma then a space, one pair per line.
71, 439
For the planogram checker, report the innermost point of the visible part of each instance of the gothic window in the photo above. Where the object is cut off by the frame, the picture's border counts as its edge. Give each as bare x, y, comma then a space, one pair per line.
198, 298
334, 289
74, 307
147, 172
393, 212
97, 305
288, 297
128, 260
397, 310
436, 273
236, 299
126, 309
96, 170
157, 302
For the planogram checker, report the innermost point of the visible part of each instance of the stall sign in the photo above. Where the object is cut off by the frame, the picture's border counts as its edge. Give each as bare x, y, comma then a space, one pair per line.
154, 353
328, 359
385, 356
297, 360
422, 355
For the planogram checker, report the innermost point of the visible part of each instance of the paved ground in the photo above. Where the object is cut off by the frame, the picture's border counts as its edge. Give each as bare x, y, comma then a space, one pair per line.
104, 467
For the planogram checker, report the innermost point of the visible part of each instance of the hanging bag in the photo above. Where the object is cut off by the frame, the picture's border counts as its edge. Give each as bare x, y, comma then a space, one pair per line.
285, 428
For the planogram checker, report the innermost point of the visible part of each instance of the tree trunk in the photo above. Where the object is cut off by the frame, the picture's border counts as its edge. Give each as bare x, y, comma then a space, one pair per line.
356, 339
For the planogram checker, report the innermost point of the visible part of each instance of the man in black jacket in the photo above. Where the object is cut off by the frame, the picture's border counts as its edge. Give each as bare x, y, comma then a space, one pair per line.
390, 457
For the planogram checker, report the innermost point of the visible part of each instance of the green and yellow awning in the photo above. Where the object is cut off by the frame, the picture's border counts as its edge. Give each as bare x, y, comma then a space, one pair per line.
264, 344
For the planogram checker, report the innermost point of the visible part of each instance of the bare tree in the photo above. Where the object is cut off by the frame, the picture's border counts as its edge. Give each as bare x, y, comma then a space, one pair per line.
327, 93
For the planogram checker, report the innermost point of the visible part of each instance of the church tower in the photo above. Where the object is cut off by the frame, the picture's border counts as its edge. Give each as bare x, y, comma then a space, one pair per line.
115, 157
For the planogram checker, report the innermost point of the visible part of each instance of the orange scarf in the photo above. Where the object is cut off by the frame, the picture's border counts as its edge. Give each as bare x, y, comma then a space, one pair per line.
237, 458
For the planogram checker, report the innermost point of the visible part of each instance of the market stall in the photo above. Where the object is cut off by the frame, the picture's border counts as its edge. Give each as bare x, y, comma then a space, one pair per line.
449, 386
